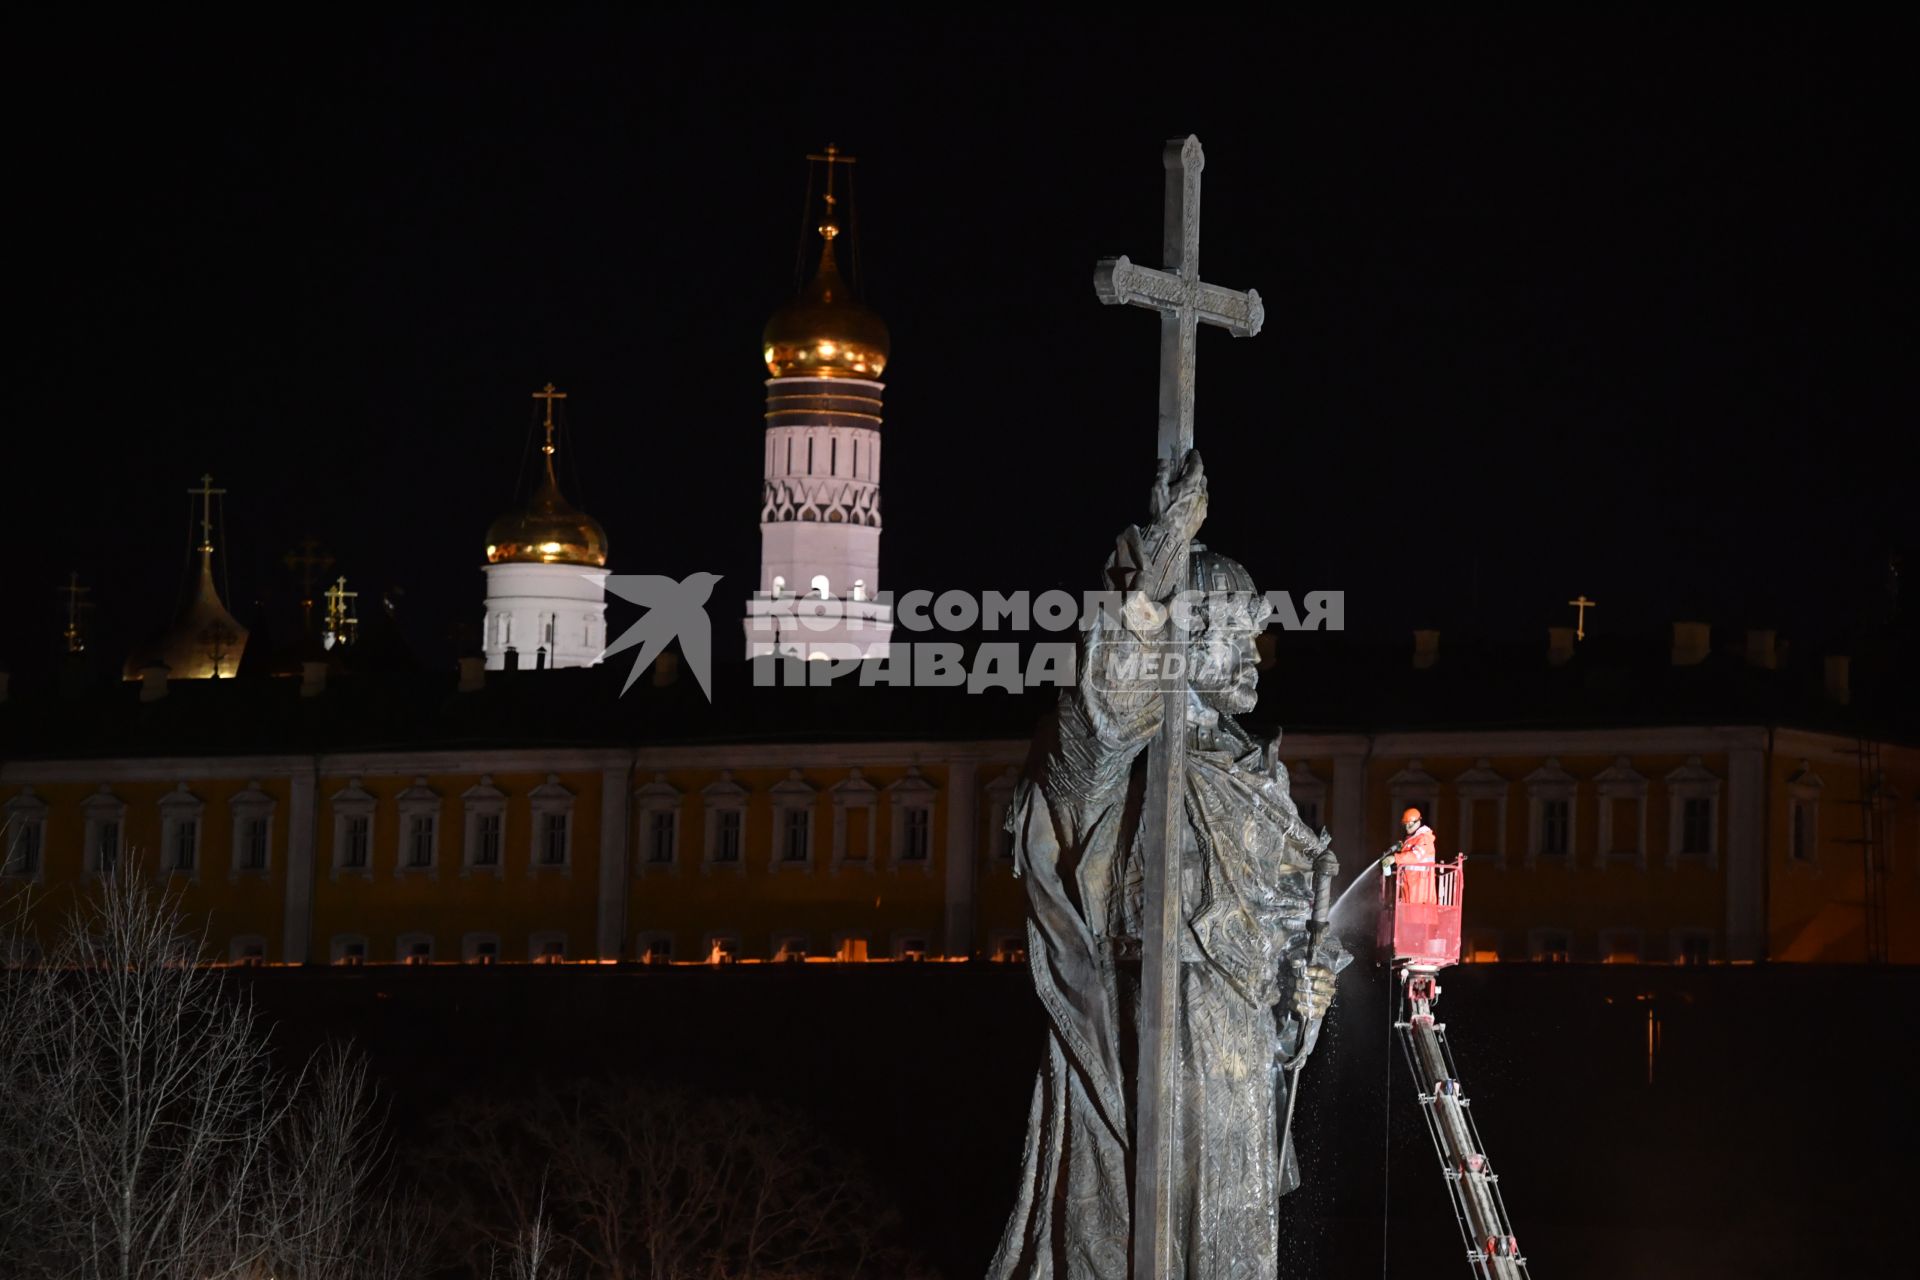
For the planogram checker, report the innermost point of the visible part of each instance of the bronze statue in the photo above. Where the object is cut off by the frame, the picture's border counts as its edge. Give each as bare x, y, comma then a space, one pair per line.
1253, 991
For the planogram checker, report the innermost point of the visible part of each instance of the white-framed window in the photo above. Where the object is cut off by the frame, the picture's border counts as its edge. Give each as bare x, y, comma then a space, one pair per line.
413, 948
483, 808
1622, 946
1551, 795
788, 948
722, 948
1692, 946
418, 808
856, 821
182, 816
252, 812
551, 805
724, 825
1622, 794
548, 946
910, 803
653, 947
1000, 794
1549, 946
352, 807
910, 947
1483, 813
480, 948
25, 832
1693, 814
105, 816
656, 808
1309, 794
249, 949
348, 949
1414, 788
1803, 816
793, 805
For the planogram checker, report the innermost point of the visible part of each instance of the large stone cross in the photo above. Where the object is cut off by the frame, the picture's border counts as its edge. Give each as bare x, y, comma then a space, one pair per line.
1184, 302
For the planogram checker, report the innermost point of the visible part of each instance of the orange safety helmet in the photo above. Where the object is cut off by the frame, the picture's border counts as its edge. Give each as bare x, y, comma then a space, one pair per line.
1411, 815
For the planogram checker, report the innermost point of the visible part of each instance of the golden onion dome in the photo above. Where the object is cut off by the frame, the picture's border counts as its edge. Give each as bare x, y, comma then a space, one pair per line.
824, 333
548, 530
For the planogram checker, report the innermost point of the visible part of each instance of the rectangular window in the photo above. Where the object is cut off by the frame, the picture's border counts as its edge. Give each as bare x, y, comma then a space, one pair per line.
1626, 826
553, 839
106, 851
353, 953
486, 951
1554, 948
1695, 949
553, 951
1486, 828
793, 835
657, 951
1556, 821
486, 840
913, 949
660, 832
1696, 825
359, 835
24, 849
919, 834
726, 835
253, 844
419, 953
420, 840
186, 835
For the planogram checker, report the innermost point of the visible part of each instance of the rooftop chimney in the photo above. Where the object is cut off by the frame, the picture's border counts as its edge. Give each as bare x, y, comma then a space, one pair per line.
1692, 641
1839, 682
511, 658
153, 681
1426, 649
1760, 651
473, 675
313, 679
1559, 646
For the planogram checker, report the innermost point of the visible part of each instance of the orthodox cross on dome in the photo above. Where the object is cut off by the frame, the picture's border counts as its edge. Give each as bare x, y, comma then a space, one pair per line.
1580, 605
340, 619
72, 634
1184, 302
548, 394
829, 229
206, 493
306, 559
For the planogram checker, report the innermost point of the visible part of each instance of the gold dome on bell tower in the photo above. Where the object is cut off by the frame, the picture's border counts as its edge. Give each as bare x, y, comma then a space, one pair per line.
825, 333
548, 530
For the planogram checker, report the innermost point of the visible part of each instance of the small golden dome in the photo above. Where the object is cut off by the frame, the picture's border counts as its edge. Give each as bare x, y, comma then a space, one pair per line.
547, 531
824, 333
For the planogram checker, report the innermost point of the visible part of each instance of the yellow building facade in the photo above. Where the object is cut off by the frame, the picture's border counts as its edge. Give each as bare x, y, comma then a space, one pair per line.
1656, 845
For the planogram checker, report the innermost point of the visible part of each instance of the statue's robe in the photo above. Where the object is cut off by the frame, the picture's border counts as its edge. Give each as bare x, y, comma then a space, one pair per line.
1246, 866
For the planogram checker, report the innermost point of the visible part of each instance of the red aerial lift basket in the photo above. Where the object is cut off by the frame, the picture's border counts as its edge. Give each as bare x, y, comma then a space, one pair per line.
1420, 919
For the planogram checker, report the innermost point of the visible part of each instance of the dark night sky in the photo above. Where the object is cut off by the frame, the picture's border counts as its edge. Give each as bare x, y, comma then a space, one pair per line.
1609, 305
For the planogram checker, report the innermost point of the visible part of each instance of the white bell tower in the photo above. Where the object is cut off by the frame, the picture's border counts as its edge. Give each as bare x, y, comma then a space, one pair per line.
820, 502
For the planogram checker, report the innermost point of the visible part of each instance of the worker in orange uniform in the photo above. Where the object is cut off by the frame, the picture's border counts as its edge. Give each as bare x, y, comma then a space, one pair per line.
1417, 848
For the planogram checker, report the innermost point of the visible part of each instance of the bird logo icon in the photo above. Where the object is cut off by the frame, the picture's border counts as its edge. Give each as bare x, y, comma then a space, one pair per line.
673, 610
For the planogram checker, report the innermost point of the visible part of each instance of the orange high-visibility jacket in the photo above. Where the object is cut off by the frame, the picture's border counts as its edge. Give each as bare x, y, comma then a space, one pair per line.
1418, 847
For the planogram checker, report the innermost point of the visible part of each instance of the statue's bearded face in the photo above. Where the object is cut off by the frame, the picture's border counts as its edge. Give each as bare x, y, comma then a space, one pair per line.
1224, 659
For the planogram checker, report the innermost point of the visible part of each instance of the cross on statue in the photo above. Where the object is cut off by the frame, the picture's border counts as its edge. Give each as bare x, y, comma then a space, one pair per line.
548, 394
206, 493
1184, 302
1581, 605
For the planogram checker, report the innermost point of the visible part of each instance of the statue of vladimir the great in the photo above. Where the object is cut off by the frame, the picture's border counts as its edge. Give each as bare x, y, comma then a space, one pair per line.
1251, 996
